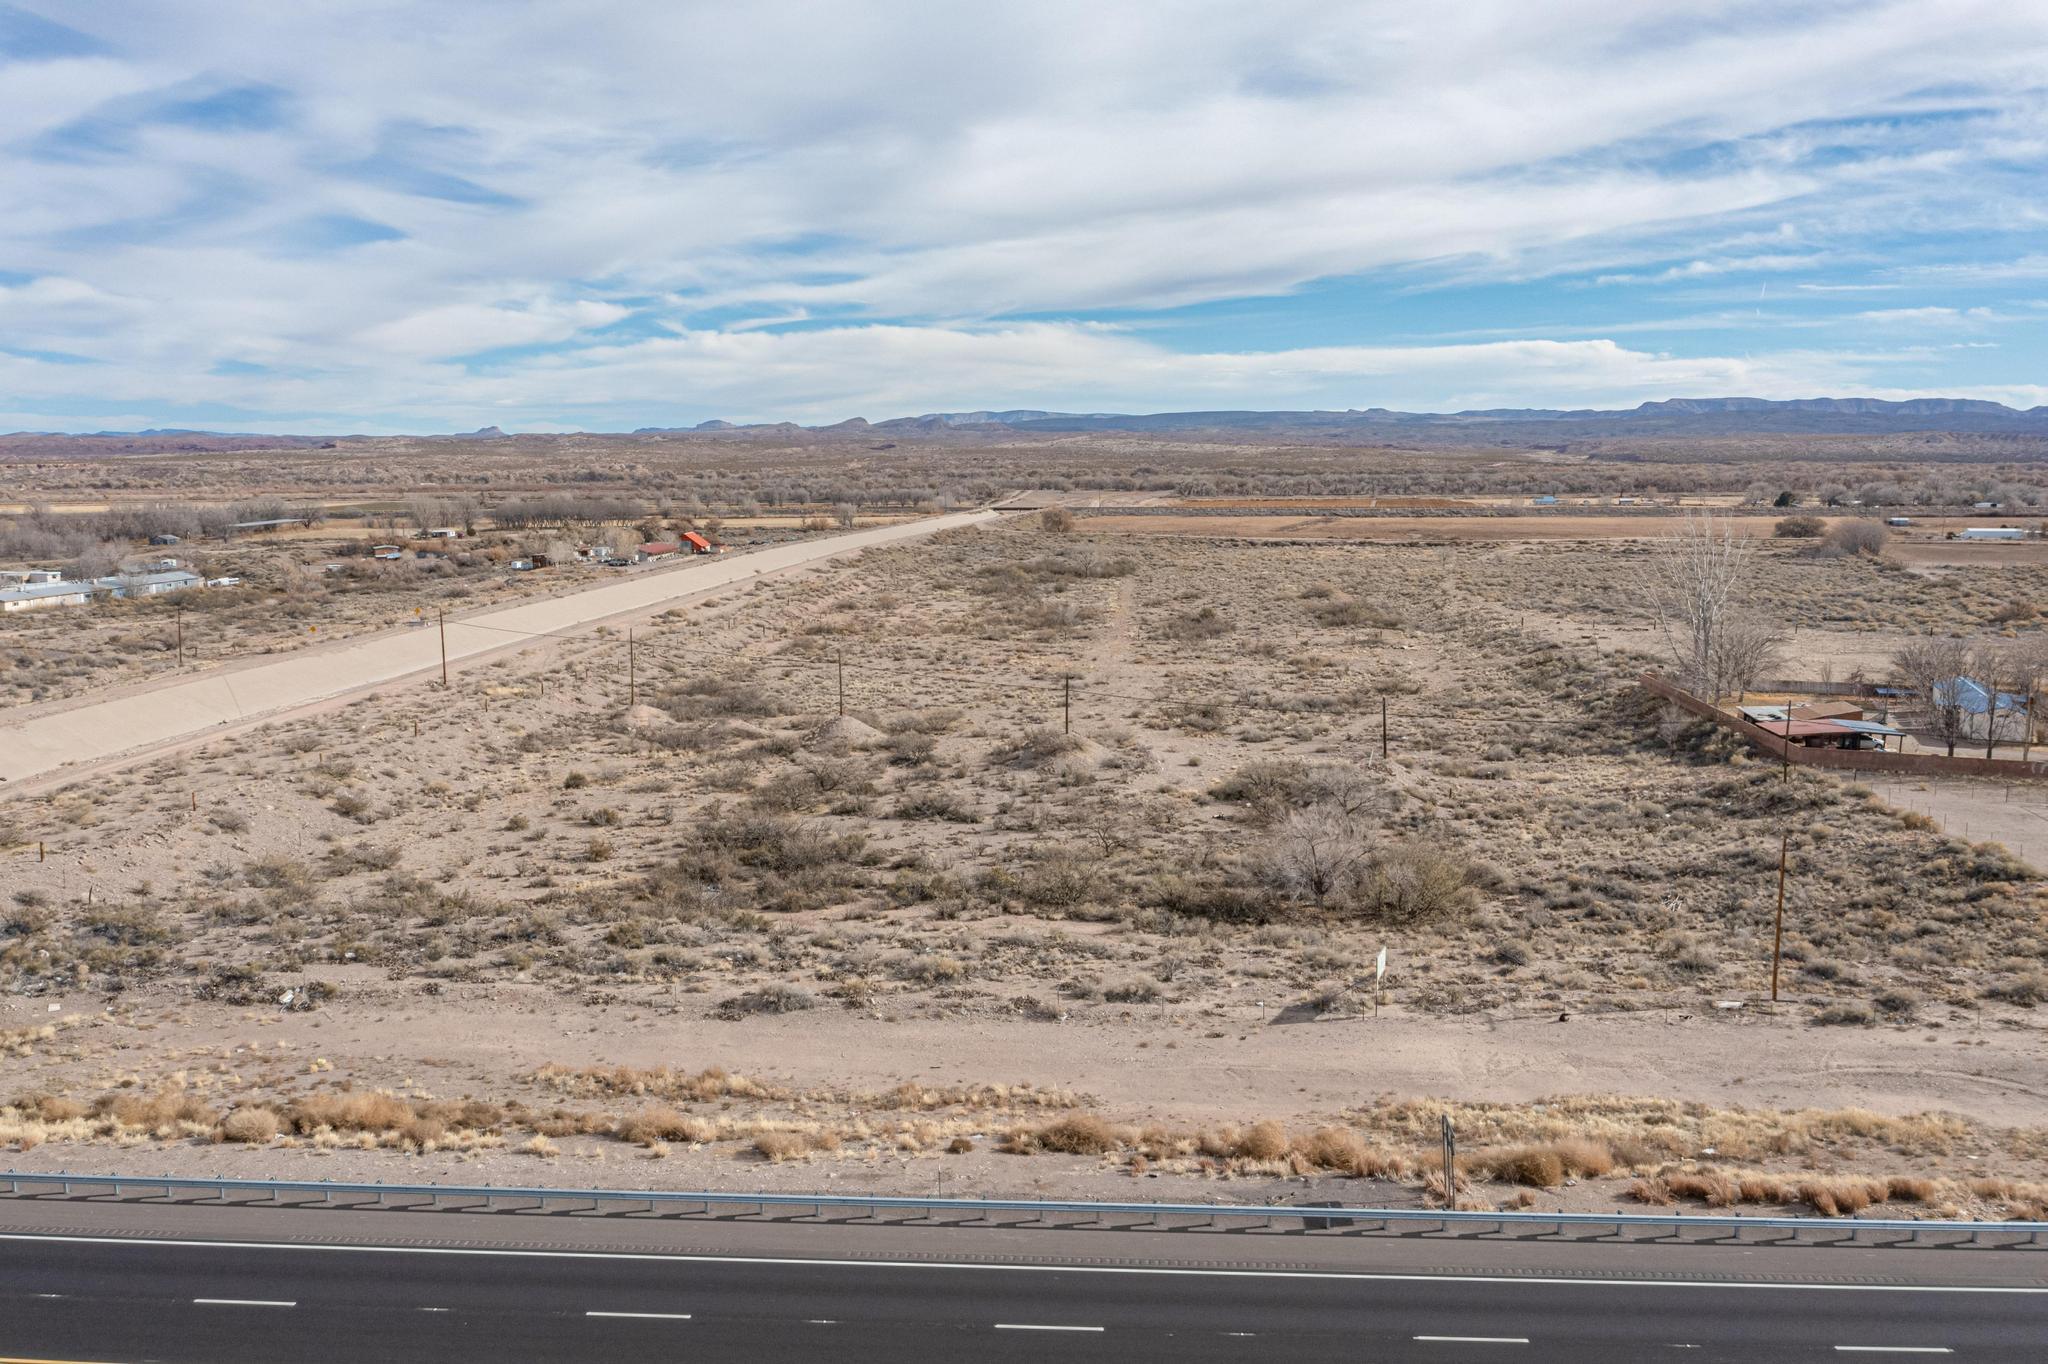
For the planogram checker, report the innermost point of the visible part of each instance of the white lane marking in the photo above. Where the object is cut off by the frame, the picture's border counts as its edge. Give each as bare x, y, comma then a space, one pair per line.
433, 1309
1477, 1340
241, 1302
643, 1316
1894, 1349
1026, 1326
822, 1321
926, 1266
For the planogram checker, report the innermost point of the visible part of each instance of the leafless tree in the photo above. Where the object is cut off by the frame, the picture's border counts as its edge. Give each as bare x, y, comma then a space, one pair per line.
1930, 667
2002, 672
1745, 647
1317, 853
1700, 568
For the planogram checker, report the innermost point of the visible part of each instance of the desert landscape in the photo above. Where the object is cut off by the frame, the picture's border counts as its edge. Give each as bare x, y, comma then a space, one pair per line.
1036, 856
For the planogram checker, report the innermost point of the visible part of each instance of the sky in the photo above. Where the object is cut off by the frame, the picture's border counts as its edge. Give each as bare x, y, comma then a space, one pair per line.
371, 216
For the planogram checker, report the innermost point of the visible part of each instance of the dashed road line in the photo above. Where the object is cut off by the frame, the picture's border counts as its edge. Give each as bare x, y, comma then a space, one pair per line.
241, 1302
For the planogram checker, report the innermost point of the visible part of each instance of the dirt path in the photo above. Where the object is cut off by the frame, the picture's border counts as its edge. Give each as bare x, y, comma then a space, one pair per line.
43, 744
1168, 1064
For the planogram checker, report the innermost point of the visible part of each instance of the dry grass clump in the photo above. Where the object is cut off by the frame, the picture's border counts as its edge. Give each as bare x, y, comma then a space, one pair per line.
1829, 1195
1082, 1134
249, 1124
660, 1082
164, 1114
794, 1145
652, 1126
1342, 1150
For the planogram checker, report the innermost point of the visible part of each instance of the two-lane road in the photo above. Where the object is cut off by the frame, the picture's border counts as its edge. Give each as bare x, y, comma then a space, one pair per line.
113, 1298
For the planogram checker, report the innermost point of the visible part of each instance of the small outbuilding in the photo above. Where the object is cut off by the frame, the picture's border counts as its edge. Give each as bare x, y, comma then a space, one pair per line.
697, 543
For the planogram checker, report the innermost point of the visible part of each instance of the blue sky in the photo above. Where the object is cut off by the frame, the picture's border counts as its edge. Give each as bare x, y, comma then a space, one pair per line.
328, 217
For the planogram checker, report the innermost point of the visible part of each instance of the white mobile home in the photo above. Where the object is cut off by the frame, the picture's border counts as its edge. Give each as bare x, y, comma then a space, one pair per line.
34, 596
1992, 533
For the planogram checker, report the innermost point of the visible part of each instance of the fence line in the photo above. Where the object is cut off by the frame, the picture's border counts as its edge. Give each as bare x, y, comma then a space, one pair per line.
1855, 760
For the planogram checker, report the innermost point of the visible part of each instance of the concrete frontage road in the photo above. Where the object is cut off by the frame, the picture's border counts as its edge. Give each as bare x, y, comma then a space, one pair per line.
42, 744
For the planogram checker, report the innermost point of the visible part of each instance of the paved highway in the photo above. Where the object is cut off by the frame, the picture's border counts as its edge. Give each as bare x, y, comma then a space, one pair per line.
117, 1290
43, 743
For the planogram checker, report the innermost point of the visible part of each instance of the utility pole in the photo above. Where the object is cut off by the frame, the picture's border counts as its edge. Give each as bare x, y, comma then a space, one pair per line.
1778, 931
1067, 704
1383, 729
632, 673
443, 618
181, 634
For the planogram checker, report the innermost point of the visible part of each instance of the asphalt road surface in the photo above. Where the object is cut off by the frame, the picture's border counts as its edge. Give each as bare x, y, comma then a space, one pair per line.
115, 1293
46, 742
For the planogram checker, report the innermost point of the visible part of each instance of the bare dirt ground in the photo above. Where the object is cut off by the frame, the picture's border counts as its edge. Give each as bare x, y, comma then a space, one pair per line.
1428, 529
1141, 948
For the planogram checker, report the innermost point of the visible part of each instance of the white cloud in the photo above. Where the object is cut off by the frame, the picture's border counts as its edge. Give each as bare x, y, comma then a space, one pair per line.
463, 328
548, 171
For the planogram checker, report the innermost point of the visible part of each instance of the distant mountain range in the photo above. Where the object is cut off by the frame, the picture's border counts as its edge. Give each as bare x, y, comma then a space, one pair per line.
1508, 425
1703, 416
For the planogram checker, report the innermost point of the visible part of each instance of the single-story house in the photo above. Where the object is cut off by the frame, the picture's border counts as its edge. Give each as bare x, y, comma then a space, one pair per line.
1831, 733
148, 584
657, 549
442, 533
386, 552
1991, 533
697, 543
37, 595
1826, 710
1984, 714
164, 540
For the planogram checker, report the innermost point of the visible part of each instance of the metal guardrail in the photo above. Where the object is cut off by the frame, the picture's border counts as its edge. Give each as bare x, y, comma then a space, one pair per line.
1312, 1216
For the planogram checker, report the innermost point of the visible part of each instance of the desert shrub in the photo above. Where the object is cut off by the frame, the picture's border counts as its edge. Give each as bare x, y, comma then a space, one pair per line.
1058, 520
2026, 990
1194, 626
349, 1111
1078, 1134
769, 999
1846, 1014
249, 1124
1856, 537
1799, 528
666, 1124
1538, 1167
1419, 882
1351, 613
1059, 878
1040, 744
1220, 901
706, 697
125, 926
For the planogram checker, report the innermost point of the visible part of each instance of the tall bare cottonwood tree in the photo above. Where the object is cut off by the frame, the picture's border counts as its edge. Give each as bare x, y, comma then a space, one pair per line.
1929, 667
1716, 645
